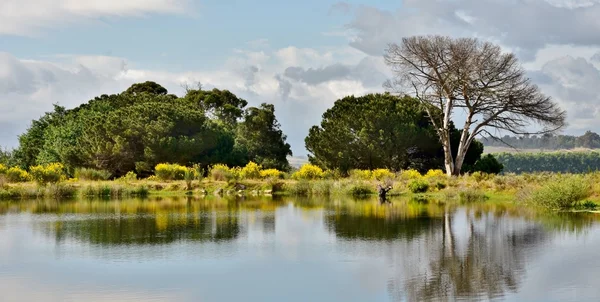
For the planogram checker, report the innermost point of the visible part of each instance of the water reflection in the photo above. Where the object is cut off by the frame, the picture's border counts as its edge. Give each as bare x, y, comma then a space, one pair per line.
425, 251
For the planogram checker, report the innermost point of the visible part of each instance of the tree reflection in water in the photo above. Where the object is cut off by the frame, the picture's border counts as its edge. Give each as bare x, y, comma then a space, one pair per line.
434, 252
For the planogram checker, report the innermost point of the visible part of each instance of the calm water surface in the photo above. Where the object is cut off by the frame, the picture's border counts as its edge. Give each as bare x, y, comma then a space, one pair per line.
294, 250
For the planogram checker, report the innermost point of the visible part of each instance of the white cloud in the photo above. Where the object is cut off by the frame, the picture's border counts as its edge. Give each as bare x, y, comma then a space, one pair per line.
27, 17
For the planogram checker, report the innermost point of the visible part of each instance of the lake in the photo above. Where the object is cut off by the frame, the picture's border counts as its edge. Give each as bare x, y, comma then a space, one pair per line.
187, 249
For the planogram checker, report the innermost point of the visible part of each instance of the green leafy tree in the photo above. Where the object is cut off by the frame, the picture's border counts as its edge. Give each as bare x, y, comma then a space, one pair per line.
219, 104
32, 141
147, 87
379, 131
261, 137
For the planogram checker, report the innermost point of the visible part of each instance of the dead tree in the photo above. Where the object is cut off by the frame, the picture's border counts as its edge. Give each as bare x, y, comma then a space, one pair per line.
489, 86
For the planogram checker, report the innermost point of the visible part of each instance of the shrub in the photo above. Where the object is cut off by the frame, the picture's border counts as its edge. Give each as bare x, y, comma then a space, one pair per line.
50, 173
411, 174
488, 164
16, 174
271, 173
440, 185
250, 171
418, 186
3, 169
130, 176
480, 176
221, 172
91, 174
382, 174
360, 174
562, 193
435, 173
170, 171
332, 174
309, 171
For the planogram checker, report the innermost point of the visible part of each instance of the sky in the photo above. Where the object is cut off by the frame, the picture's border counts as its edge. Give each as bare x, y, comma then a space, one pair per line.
299, 55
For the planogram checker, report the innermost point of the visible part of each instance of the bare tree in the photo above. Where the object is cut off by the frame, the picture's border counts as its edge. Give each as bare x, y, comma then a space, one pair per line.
490, 86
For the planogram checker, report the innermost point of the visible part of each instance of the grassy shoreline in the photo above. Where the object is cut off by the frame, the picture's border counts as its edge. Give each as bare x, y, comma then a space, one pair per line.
555, 191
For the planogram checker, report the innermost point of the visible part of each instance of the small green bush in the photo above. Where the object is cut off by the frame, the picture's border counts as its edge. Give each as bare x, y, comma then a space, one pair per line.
16, 174
170, 171
418, 186
308, 172
361, 189
50, 173
562, 193
91, 174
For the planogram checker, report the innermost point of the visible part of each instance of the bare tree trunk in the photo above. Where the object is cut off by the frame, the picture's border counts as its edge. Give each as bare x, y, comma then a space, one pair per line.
448, 160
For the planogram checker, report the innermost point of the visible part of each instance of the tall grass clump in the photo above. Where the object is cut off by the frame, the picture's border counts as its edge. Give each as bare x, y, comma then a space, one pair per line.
50, 173
300, 188
308, 172
91, 174
16, 174
322, 187
471, 195
170, 171
563, 192
60, 191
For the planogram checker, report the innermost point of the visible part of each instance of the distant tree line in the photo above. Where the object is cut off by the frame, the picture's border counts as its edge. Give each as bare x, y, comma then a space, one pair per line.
564, 162
143, 126
590, 140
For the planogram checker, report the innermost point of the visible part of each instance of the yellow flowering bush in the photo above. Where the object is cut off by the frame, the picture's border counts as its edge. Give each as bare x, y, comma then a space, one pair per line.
250, 171
50, 173
3, 169
360, 174
16, 174
411, 174
309, 171
271, 173
170, 171
435, 173
382, 174
221, 172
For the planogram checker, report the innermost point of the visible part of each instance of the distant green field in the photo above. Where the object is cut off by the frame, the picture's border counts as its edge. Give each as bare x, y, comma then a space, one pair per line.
490, 149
